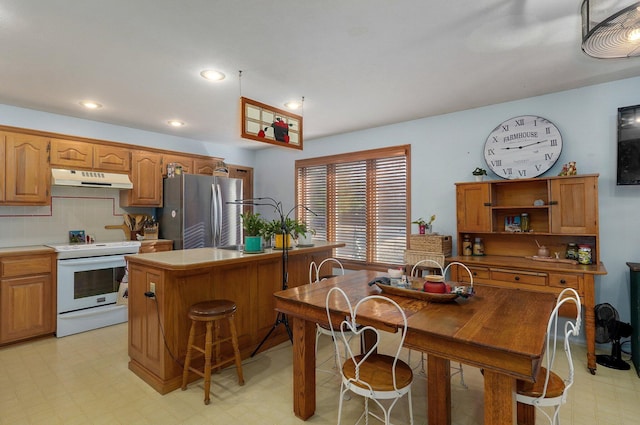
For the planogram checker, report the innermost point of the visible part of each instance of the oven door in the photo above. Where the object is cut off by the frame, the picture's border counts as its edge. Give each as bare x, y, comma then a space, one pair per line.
89, 282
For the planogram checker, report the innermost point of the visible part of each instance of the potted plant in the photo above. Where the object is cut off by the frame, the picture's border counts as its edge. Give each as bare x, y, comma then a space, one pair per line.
302, 233
253, 226
479, 173
424, 226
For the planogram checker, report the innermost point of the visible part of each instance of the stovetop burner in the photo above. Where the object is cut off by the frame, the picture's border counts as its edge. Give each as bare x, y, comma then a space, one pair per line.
80, 250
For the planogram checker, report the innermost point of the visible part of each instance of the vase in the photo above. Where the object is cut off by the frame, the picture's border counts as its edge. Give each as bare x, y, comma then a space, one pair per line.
278, 241
253, 243
479, 178
422, 228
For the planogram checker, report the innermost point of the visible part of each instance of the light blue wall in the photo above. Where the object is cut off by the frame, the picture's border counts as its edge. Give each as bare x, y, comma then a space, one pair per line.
43, 121
444, 150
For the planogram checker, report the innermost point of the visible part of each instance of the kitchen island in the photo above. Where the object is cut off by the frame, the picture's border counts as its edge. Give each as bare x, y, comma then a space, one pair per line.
159, 326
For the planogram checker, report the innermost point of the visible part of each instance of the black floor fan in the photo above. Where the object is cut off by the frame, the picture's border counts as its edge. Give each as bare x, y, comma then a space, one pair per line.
610, 329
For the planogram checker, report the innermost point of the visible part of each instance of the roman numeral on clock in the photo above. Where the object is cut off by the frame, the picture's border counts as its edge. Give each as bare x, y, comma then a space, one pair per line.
491, 152
496, 163
520, 122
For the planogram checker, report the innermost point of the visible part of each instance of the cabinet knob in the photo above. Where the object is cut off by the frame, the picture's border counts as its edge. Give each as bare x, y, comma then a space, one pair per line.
517, 278
475, 273
562, 281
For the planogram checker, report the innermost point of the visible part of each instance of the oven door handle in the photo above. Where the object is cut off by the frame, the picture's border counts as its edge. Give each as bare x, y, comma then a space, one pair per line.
70, 262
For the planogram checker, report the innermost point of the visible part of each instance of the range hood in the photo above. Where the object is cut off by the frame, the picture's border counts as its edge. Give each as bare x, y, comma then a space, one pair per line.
82, 178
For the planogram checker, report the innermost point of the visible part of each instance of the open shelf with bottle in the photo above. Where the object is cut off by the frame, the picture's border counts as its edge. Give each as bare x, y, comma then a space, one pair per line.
560, 210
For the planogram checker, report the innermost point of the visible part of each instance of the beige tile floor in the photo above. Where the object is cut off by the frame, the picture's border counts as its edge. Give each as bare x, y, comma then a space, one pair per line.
83, 379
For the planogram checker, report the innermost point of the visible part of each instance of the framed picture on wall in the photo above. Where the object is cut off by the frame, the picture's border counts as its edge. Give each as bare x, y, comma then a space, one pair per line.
267, 124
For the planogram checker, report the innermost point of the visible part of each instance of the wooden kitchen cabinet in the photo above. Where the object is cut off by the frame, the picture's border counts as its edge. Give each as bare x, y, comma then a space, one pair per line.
27, 296
69, 153
155, 245
146, 176
111, 158
27, 177
567, 212
186, 162
577, 201
472, 214
205, 166
91, 156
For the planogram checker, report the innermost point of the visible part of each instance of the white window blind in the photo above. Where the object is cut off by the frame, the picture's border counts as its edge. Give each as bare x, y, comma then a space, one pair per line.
361, 199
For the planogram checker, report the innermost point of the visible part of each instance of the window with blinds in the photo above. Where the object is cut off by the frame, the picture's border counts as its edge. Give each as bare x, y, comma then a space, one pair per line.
360, 199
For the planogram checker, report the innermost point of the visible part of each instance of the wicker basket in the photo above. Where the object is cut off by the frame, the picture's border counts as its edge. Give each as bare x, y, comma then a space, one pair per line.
431, 243
412, 256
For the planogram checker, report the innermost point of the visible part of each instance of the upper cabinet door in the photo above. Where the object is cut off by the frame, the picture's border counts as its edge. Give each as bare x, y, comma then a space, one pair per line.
204, 166
574, 205
146, 176
68, 153
27, 173
183, 161
111, 158
474, 215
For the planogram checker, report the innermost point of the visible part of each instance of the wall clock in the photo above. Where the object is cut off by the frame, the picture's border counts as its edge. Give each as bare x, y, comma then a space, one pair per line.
523, 147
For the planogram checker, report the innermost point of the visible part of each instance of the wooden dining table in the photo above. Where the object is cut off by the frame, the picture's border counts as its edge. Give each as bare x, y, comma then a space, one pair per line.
502, 331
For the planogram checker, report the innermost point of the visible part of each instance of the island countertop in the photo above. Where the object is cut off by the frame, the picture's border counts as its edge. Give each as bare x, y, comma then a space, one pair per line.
194, 258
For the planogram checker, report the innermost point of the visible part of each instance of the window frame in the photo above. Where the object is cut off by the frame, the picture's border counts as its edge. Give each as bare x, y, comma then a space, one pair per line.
359, 156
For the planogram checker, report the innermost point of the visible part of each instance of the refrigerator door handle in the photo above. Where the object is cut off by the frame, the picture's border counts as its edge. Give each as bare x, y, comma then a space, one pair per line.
219, 217
213, 215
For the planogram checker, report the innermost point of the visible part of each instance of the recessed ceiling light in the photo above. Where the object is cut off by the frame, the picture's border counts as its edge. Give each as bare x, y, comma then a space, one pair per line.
212, 75
175, 123
293, 104
90, 104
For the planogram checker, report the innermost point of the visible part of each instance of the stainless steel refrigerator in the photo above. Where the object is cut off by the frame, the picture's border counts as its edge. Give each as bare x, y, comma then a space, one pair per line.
196, 212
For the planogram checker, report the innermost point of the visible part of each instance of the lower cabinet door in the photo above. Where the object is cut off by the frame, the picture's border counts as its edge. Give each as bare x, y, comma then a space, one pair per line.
26, 306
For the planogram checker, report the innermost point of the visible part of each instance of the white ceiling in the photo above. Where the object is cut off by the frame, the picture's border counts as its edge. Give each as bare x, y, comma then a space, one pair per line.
358, 63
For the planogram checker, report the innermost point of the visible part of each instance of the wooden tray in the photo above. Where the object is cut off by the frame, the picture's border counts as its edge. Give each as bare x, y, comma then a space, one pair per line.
414, 293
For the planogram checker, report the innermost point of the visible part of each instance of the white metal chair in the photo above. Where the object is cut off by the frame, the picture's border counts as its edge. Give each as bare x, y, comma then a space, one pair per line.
550, 389
455, 370
372, 375
314, 277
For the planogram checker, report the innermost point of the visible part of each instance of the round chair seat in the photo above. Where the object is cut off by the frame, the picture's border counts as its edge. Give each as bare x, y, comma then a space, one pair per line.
208, 309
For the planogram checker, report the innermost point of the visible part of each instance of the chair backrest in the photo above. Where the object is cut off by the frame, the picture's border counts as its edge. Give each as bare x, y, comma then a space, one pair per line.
571, 329
314, 269
426, 261
349, 327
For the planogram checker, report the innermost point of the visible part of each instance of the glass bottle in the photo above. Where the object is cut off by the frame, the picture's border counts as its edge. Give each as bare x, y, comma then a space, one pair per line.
467, 247
478, 247
572, 251
524, 222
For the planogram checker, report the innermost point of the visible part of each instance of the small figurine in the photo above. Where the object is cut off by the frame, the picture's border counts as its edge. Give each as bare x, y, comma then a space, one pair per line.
569, 169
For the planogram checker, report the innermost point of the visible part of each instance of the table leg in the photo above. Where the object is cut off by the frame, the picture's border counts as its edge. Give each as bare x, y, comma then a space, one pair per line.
438, 390
526, 414
499, 399
304, 368
590, 321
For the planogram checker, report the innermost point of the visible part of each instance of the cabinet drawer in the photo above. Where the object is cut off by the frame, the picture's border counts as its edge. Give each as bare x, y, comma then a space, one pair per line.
476, 272
519, 277
560, 280
24, 266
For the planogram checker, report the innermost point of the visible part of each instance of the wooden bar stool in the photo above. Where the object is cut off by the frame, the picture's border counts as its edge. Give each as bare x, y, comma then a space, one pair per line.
211, 312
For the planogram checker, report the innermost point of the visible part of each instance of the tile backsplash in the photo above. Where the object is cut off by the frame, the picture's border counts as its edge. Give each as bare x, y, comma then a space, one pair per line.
72, 208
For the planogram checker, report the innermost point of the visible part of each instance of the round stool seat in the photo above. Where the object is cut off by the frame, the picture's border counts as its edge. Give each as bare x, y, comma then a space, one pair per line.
207, 309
